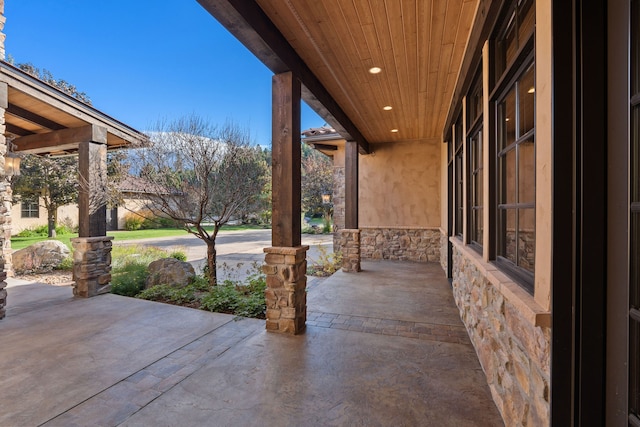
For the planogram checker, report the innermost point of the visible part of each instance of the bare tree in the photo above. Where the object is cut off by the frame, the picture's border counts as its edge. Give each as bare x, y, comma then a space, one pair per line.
201, 175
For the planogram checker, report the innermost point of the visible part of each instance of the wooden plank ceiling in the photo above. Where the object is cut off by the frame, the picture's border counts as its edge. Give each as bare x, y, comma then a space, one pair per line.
417, 44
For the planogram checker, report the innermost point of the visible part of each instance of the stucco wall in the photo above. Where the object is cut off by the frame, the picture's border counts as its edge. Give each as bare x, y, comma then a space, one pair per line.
400, 185
68, 213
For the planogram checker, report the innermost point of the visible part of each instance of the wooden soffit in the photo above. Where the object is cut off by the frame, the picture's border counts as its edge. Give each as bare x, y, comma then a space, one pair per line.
418, 45
50, 122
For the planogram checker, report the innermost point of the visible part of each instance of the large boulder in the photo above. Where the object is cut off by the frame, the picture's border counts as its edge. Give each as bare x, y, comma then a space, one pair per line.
170, 271
40, 257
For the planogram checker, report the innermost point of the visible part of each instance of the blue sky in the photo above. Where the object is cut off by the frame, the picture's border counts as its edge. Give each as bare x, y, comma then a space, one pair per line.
140, 61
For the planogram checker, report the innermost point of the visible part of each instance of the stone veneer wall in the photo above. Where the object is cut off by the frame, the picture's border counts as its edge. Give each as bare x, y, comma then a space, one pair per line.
514, 353
444, 256
351, 256
402, 244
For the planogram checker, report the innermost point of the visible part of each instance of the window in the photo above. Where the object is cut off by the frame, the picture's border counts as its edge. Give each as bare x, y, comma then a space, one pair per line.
518, 27
475, 160
459, 178
516, 177
514, 101
29, 208
634, 187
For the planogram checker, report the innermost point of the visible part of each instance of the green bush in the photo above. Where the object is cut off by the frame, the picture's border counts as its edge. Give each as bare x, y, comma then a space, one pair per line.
133, 222
169, 294
179, 255
66, 264
326, 264
43, 231
129, 270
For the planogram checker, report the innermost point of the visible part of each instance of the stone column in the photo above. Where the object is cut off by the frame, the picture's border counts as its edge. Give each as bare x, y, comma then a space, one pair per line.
91, 265
286, 292
350, 243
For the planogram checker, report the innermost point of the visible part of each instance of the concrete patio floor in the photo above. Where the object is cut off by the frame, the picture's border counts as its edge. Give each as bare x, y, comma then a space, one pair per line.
384, 347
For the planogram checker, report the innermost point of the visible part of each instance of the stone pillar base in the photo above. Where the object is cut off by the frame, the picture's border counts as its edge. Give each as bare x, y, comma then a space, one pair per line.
350, 243
286, 292
91, 266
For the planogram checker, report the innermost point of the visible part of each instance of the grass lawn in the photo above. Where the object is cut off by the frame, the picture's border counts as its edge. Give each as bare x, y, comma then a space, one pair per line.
23, 242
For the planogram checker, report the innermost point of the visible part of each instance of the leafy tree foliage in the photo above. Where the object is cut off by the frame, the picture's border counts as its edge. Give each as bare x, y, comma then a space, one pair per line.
47, 77
317, 179
54, 181
202, 174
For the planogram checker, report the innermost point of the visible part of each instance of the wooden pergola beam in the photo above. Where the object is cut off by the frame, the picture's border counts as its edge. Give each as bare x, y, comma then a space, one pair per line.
251, 26
60, 140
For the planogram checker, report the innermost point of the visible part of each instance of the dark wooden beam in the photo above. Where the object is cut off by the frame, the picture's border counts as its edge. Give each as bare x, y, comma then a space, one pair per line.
92, 200
324, 147
251, 26
286, 162
60, 140
17, 130
351, 185
29, 116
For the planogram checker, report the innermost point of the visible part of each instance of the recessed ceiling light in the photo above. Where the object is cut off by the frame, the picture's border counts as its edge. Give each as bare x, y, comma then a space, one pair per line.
507, 119
531, 90
394, 130
387, 108
375, 70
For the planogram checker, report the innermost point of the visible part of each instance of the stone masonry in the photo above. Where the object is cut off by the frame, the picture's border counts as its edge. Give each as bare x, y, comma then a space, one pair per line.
350, 244
444, 246
402, 244
514, 354
286, 293
91, 265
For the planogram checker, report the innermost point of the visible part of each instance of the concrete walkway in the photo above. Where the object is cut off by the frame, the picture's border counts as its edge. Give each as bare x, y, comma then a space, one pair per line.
382, 348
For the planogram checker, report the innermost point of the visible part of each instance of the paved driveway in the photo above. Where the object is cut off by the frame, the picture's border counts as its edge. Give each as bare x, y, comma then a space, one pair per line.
233, 247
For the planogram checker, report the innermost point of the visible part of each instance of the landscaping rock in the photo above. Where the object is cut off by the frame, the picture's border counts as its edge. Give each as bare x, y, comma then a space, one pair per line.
170, 271
40, 257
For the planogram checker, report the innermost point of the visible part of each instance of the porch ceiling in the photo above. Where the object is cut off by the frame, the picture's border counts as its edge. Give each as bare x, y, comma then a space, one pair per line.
418, 44
36, 108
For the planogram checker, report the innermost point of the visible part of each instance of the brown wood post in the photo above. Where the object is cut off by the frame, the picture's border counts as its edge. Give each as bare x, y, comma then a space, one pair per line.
351, 185
286, 210
92, 200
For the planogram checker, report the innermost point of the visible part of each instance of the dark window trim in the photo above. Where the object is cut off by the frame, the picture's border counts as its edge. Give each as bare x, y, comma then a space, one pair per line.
26, 208
523, 60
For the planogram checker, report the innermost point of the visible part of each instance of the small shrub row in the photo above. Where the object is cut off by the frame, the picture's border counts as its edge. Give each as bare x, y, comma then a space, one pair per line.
43, 231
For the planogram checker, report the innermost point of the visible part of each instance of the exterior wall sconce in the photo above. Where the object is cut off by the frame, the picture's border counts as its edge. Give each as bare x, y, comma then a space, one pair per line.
326, 199
11, 164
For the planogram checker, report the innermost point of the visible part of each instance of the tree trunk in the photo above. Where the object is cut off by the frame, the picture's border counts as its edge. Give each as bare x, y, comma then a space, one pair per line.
211, 262
51, 223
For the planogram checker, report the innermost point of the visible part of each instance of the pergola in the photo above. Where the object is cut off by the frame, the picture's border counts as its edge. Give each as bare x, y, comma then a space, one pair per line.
42, 120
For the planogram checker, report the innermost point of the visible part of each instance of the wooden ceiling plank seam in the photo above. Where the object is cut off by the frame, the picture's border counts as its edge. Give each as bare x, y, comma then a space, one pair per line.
452, 20
341, 68
423, 12
320, 44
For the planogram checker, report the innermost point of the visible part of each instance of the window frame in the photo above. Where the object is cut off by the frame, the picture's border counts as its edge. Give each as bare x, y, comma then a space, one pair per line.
524, 59
475, 172
27, 209
457, 159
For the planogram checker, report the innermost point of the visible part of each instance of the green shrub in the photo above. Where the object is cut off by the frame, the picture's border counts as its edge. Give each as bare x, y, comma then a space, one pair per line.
129, 270
169, 294
133, 222
179, 255
27, 232
66, 264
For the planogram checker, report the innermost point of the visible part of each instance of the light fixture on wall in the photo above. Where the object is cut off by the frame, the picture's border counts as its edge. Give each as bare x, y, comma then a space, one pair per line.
11, 161
326, 198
